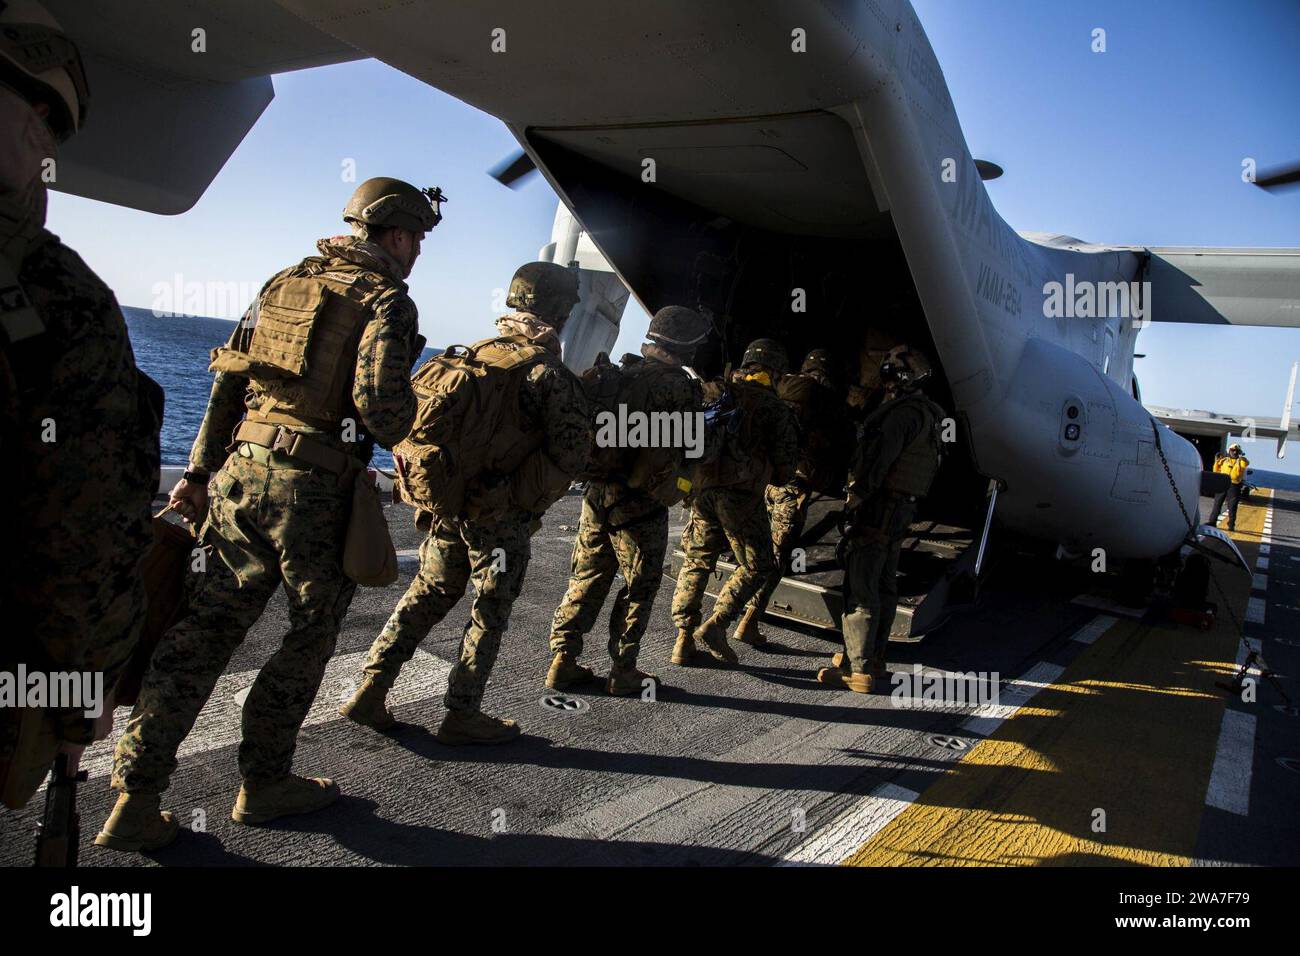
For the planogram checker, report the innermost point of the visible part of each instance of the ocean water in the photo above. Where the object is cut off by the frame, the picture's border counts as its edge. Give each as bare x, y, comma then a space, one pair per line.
174, 351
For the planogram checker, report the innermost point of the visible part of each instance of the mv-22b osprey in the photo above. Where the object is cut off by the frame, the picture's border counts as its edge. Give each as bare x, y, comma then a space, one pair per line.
807, 145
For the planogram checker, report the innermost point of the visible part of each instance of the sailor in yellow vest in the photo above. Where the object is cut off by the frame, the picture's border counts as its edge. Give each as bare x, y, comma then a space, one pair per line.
1234, 464
541, 438
315, 374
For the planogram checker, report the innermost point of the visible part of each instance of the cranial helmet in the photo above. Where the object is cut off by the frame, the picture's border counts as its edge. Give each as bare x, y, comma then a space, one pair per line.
905, 367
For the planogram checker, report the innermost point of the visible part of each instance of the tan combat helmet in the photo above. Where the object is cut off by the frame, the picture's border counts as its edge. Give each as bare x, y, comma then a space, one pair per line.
42, 65
905, 367
544, 289
678, 329
769, 353
384, 201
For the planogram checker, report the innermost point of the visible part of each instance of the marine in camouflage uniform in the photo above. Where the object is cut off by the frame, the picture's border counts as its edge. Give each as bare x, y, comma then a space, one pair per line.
624, 524
894, 467
727, 507
493, 551
278, 507
825, 435
79, 424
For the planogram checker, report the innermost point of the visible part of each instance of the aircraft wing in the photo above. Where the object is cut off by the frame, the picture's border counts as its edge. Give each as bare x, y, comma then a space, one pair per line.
1224, 286
168, 107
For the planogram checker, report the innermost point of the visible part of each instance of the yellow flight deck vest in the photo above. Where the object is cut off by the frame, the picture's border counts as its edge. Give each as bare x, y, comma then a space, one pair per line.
1234, 468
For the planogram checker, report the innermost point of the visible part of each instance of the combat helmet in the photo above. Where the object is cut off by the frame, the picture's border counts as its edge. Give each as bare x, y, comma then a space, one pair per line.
546, 289
678, 328
905, 367
769, 353
819, 360
383, 201
40, 62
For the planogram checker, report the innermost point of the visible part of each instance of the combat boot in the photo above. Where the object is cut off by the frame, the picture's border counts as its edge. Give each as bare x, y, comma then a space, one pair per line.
475, 727
842, 679
566, 672
714, 636
137, 824
684, 649
264, 802
628, 681
367, 707
879, 671
747, 631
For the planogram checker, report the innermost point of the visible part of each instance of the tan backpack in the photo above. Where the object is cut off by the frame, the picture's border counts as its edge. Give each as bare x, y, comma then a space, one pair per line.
467, 431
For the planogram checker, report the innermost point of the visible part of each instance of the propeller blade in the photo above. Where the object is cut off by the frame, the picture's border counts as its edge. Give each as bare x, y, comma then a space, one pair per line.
1280, 176
513, 170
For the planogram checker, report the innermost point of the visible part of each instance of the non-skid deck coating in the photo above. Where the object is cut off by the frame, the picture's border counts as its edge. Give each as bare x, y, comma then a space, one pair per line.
1101, 721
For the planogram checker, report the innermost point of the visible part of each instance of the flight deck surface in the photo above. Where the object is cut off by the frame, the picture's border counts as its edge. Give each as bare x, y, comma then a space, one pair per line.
1110, 743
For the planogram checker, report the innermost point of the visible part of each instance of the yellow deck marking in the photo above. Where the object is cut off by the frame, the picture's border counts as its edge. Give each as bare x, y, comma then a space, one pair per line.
1130, 728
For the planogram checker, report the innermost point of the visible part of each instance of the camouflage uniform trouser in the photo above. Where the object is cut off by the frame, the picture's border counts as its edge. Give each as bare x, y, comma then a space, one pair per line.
871, 579
722, 517
611, 539
787, 511
492, 554
267, 523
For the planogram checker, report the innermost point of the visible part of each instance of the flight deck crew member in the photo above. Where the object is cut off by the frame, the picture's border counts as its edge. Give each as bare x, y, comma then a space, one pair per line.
895, 464
543, 440
624, 524
727, 507
826, 436
79, 422
1234, 465
315, 374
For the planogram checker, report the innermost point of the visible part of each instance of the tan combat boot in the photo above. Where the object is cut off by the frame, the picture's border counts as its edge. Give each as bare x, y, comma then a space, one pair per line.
628, 681
475, 727
714, 636
136, 824
842, 679
747, 631
684, 649
367, 707
264, 802
566, 672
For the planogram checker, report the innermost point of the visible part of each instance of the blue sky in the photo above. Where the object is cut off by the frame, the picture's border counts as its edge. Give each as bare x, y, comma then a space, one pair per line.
1141, 144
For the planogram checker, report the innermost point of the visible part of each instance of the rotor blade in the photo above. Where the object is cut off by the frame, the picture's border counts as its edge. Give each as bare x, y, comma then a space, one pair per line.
513, 170
1279, 176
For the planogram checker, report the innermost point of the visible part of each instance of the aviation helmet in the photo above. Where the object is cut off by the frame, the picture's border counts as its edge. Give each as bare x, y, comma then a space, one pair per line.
1234, 447
678, 328
546, 289
769, 353
383, 201
905, 367
819, 360
40, 62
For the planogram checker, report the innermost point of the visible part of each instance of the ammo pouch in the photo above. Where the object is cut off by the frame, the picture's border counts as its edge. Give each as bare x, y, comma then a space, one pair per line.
369, 558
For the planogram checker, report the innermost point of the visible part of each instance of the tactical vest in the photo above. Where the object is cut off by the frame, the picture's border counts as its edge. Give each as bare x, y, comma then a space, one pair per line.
469, 429
914, 469
302, 354
743, 462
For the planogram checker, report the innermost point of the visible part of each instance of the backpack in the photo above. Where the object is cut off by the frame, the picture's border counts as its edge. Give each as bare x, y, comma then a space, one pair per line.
467, 431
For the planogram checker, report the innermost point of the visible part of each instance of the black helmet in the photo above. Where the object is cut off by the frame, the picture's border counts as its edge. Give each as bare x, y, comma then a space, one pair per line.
905, 367
769, 353
819, 360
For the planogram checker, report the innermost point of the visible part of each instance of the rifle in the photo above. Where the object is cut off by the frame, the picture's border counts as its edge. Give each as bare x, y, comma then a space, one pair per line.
58, 836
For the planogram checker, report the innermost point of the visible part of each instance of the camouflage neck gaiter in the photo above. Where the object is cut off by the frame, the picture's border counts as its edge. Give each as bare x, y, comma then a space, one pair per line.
530, 327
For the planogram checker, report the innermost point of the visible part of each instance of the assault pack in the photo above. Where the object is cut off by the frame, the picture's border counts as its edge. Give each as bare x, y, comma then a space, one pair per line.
662, 473
467, 431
